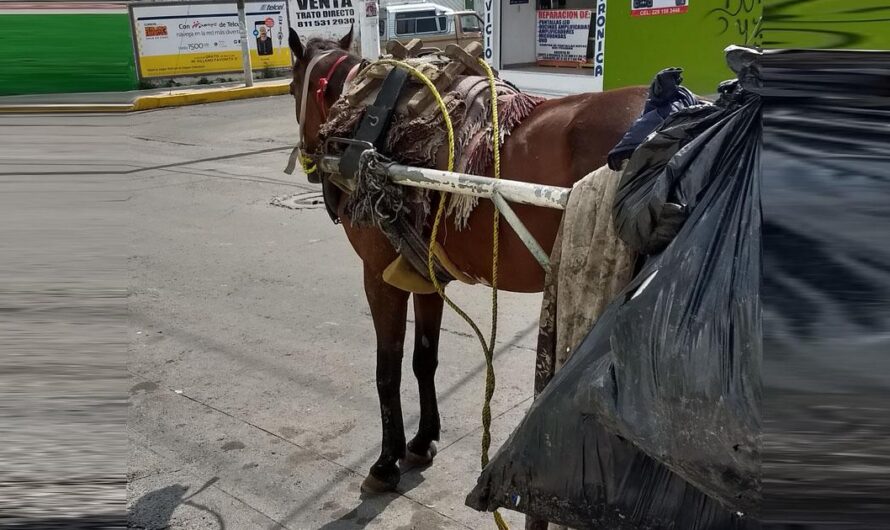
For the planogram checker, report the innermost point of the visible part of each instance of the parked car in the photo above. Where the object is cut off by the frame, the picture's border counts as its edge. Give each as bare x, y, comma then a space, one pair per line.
436, 25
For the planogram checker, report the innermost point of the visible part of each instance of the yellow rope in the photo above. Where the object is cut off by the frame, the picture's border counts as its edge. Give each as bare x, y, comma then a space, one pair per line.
487, 348
495, 245
308, 164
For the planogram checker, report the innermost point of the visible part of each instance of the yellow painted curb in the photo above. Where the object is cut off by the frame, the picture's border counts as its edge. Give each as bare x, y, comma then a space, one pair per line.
159, 101
208, 96
66, 108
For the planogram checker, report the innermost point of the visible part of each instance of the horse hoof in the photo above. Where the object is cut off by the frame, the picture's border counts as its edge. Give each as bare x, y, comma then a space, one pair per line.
375, 486
419, 460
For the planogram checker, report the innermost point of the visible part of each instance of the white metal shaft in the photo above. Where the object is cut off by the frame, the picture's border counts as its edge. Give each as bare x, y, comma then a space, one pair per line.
527, 238
433, 179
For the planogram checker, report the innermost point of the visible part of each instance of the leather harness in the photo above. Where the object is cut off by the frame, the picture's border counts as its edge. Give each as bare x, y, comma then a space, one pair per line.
320, 93
371, 131
375, 123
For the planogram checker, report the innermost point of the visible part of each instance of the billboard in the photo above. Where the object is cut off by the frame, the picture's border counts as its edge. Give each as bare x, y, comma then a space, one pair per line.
329, 19
201, 38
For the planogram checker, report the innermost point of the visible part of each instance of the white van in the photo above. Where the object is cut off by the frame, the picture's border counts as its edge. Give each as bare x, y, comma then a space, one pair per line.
436, 25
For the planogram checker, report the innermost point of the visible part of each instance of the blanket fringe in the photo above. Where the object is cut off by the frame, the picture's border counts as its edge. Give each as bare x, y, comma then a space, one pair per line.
418, 142
479, 154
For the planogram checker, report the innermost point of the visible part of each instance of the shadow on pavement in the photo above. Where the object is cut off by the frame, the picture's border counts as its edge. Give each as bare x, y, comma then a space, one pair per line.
372, 506
154, 510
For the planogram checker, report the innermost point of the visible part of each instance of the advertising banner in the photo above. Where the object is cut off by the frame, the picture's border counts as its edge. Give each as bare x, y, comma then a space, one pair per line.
645, 8
185, 39
330, 19
563, 37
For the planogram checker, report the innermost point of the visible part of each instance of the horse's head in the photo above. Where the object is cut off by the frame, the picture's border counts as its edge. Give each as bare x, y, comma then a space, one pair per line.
320, 71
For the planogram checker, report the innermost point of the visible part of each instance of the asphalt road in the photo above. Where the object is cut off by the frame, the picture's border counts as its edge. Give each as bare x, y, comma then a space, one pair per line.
250, 367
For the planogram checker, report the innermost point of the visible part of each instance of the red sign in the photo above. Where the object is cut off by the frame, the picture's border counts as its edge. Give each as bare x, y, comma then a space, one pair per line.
155, 31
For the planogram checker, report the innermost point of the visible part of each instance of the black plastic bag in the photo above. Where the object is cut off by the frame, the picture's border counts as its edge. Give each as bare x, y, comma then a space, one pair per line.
665, 175
654, 420
666, 96
592, 454
826, 288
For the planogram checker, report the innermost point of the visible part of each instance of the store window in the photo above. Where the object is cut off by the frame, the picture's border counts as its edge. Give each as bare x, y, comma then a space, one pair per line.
567, 33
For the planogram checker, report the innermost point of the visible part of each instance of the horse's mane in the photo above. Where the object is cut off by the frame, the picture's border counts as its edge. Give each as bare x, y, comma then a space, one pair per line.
317, 45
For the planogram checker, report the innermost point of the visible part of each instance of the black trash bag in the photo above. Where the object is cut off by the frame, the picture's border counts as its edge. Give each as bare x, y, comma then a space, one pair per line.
826, 288
666, 96
654, 421
657, 191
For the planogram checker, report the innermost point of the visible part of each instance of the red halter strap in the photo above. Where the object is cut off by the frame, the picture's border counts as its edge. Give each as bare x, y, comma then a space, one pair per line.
323, 86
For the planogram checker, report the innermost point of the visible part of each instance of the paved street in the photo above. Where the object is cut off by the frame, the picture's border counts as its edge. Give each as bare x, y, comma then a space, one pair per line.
252, 401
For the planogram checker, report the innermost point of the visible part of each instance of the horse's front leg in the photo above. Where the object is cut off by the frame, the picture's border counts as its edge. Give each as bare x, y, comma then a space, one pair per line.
428, 322
389, 308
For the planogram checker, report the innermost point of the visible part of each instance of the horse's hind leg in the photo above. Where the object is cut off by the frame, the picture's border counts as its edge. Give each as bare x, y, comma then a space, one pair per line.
389, 308
428, 321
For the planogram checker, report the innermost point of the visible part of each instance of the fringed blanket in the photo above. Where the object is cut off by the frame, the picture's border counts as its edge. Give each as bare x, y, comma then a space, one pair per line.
419, 141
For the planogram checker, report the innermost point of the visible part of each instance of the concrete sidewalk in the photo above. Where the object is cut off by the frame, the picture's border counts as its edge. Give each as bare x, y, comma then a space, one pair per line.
136, 100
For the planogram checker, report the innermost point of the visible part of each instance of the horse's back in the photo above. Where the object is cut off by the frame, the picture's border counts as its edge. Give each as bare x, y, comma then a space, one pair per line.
558, 144
566, 138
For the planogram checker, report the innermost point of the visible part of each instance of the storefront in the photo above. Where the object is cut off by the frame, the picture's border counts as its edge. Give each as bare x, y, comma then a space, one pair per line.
548, 46
559, 47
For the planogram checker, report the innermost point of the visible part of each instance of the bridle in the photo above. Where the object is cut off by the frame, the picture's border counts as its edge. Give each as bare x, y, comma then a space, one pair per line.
320, 94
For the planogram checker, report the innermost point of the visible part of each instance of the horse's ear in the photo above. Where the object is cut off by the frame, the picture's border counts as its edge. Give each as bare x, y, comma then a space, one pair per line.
295, 45
346, 41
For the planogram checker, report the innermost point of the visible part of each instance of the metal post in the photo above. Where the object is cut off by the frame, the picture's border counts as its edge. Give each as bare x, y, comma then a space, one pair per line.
245, 45
368, 29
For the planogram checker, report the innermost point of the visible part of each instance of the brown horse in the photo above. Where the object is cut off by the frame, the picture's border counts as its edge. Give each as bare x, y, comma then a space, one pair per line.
559, 143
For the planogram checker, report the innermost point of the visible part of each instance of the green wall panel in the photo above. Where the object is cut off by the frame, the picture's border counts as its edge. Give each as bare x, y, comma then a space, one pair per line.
55, 53
638, 47
848, 24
